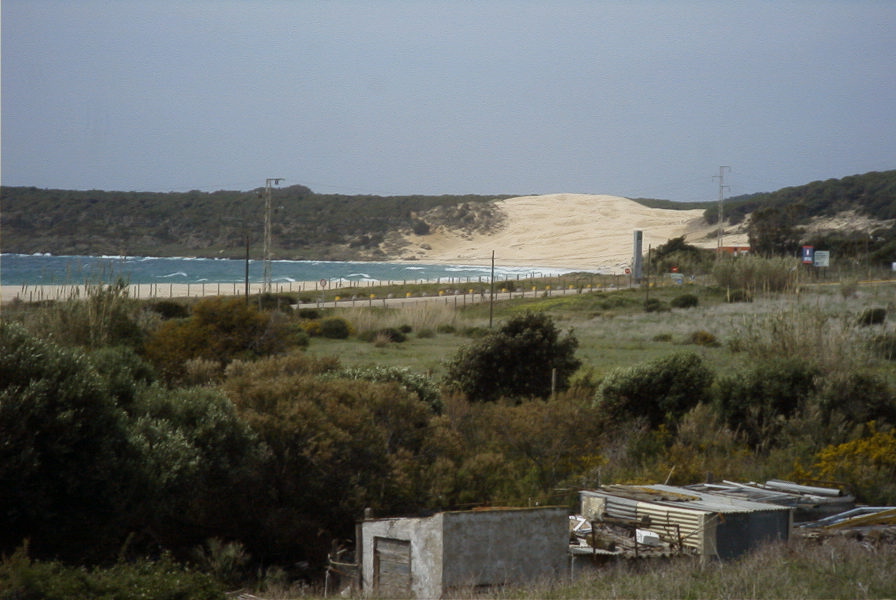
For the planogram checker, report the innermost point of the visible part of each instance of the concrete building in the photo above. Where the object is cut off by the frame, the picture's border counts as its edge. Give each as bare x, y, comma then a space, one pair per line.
714, 526
427, 557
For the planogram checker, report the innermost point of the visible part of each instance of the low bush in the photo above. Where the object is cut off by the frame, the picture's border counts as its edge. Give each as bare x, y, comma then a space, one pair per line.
169, 309
655, 305
660, 391
474, 332
383, 336
884, 345
515, 361
311, 327
270, 301
684, 301
703, 338
163, 579
872, 316
335, 328
309, 313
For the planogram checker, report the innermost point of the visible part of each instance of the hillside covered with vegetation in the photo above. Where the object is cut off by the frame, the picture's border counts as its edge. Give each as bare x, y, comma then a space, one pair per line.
312, 226
305, 225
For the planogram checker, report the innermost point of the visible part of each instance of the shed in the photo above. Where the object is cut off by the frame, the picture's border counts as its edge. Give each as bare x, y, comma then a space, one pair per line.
426, 557
713, 525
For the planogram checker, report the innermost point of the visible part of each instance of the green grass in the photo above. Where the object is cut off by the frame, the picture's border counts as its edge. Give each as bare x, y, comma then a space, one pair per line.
614, 330
424, 355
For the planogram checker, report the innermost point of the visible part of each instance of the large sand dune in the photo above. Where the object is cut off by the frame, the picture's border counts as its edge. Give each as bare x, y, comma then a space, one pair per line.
579, 231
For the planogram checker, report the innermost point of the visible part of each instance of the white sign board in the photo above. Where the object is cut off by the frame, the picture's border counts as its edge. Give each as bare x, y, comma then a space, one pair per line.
822, 258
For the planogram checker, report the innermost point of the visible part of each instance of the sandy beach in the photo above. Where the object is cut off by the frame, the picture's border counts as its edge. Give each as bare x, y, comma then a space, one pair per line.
571, 231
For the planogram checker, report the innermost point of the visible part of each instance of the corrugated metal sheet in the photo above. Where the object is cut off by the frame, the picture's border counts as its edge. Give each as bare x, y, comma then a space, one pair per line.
692, 517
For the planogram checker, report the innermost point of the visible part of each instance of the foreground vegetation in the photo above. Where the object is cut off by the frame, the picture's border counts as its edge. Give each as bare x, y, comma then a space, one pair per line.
834, 568
242, 441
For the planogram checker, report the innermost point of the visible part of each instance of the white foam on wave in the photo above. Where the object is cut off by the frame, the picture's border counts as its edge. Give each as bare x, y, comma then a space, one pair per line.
177, 274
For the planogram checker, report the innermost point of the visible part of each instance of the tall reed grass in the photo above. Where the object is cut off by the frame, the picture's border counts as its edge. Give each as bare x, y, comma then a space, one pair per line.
800, 568
419, 316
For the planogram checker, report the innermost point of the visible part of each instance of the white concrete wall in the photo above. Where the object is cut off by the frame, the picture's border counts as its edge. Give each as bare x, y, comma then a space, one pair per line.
426, 552
460, 550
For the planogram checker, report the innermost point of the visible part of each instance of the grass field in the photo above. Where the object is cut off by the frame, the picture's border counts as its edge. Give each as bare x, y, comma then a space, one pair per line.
614, 330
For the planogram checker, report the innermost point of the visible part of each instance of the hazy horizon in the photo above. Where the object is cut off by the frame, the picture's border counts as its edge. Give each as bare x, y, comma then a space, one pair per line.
637, 99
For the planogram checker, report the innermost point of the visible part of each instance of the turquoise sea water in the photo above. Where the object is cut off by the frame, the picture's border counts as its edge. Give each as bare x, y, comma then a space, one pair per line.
45, 269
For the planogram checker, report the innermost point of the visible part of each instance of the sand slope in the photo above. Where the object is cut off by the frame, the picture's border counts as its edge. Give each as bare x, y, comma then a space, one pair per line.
580, 231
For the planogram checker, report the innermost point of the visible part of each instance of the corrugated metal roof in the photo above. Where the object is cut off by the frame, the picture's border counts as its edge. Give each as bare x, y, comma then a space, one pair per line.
679, 499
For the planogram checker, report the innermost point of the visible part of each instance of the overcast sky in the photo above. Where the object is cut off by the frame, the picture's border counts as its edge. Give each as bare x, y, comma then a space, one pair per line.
633, 98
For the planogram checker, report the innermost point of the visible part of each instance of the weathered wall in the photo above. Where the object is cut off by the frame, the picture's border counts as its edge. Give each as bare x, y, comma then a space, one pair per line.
504, 546
459, 550
426, 551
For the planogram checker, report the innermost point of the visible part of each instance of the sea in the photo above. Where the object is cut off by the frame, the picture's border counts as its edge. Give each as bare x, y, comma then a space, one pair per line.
48, 269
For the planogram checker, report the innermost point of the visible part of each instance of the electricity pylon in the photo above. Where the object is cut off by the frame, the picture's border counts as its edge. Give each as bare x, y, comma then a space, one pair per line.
268, 183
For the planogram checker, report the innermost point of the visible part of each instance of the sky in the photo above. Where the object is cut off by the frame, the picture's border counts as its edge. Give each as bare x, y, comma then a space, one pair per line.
631, 98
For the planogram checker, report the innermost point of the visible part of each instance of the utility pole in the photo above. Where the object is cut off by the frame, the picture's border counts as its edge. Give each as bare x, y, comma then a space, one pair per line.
491, 300
722, 188
268, 183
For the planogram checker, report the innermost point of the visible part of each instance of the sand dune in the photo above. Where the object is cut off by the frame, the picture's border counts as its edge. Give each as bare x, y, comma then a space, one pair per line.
580, 231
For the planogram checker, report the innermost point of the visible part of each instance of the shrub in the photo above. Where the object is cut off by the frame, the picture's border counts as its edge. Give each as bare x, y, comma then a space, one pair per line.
425, 388
269, 301
445, 328
654, 305
226, 561
737, 295
662, 337
123, 371
867, 465
162, 579
884, 345
309, 313
311, 328
757, 274
703, 338
515, 361
66, 458
426, 333
756, 400
848, 288
660, 391
856, 396
195, 450
107, 316
219, 329
872, 316
684, 301
335, 328
170, 309
475, 332
393, 335
381, 340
